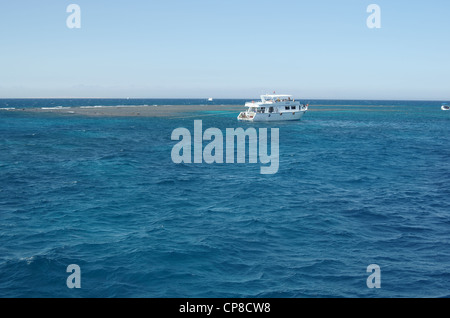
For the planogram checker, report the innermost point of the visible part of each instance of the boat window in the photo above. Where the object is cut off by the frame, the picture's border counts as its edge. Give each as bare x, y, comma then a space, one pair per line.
286, 107
270, 109
293, 107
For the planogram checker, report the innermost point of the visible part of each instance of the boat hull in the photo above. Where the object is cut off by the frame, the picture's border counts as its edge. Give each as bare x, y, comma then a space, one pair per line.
284, 116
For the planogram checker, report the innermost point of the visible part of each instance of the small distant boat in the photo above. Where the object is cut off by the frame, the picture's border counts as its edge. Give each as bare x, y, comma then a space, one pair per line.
445, 107
210, 99
274, 108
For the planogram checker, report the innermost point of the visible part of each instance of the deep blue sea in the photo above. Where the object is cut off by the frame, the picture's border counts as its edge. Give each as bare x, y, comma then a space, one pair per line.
359, 183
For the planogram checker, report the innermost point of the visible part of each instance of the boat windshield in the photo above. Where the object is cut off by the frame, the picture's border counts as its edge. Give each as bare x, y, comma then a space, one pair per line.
276, 98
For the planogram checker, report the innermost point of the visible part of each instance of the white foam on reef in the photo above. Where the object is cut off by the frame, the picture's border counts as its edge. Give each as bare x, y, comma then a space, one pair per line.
57, 107
113, 106
8, 108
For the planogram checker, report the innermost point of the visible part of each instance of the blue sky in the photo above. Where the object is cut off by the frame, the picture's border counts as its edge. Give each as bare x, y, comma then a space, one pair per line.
225, 49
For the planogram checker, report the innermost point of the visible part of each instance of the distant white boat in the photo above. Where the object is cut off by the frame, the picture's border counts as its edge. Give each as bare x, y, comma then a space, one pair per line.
210, 99
445, 107
274, 108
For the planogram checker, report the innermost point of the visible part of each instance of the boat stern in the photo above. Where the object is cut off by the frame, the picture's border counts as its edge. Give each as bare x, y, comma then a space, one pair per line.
246, 116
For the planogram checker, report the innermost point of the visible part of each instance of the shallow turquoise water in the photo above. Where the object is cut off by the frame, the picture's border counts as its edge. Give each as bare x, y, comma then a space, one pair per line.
357, 185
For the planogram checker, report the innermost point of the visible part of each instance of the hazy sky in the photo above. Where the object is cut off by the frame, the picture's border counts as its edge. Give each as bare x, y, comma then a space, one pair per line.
225, 49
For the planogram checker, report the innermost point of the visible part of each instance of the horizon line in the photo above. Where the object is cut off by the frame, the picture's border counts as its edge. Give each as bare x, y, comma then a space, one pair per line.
223, 98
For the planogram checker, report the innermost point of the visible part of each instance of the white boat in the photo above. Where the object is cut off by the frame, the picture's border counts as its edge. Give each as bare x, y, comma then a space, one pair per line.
274, 108
210, 99
445, 107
